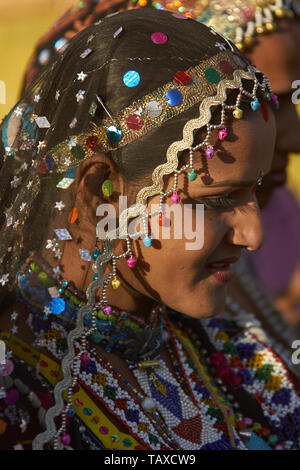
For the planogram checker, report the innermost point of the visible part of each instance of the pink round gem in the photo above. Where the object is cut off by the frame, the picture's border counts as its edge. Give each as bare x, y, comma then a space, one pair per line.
209, 152
103, 430
107, 310
7, 368
248, 421
175, 198
223, 133
85, 359
131, 262
134, 122
66, 439
12, 396
278, 447
159, 38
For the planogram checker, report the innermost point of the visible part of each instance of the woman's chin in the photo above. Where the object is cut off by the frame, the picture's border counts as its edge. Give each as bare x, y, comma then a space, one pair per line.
200, 307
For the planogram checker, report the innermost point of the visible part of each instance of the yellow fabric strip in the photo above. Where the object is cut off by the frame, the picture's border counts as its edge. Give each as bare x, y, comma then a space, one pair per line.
84, 406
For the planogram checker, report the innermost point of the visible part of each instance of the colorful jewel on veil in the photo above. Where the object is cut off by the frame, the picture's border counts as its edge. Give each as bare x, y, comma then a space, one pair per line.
255, 105
57, 306
85, 255
131, 78
222, 133
237, 113
63, 234
209, 152
147, 241
107, 310
115, 283
42, 122
131, 262
175, 198
114, 134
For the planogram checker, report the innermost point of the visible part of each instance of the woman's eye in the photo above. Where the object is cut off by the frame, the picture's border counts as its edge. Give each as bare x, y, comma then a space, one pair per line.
216, 202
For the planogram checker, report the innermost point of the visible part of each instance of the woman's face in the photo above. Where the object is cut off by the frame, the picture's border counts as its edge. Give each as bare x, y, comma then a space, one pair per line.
277, 55
194, 281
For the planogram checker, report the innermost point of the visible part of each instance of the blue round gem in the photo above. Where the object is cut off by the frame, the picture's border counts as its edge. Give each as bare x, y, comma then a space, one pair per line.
57, 305
147, 241
255, 105
87, 411
64, 283
131, 78
95, 254
114, 134
60, 290
95, 277
71, 412
61, 45
174, 97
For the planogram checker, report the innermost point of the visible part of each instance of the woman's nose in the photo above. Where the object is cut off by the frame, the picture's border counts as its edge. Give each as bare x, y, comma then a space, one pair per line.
247, 228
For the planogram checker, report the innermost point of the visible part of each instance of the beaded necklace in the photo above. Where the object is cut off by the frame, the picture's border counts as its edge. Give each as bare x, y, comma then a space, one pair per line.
244, 363
269, 313
56, 333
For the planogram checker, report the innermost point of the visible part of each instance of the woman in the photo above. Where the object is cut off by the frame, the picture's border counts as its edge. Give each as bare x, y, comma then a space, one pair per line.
111, 116
273, 268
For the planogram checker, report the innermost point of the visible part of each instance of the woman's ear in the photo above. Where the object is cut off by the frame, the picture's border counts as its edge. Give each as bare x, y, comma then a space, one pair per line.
90, 178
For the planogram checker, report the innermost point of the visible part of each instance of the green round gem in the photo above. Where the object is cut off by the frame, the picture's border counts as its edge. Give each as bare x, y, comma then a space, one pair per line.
212, 75
107, 188
96, 337
35, 268
267, 96
115, 438
192, 175
273, 439
127, 442
78, 152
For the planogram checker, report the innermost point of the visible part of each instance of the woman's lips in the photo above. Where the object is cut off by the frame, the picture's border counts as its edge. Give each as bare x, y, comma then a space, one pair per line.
222, 270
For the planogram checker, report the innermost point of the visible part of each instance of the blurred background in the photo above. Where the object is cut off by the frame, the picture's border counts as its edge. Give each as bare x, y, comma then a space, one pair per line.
22, 23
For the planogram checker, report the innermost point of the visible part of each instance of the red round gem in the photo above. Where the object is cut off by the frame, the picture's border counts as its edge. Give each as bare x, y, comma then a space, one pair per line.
241, 425
134, 122
226, 67
265, 432
92, 142
76, 388
182, 78
43, 364
159, 38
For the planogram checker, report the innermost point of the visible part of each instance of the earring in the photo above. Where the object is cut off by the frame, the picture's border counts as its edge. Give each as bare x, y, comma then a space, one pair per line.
107, 188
